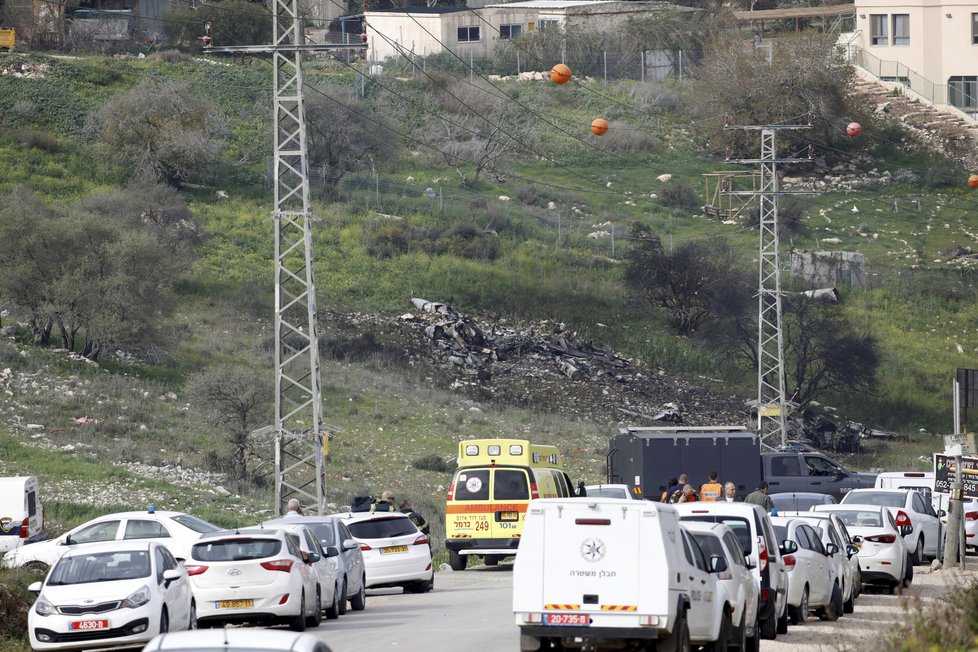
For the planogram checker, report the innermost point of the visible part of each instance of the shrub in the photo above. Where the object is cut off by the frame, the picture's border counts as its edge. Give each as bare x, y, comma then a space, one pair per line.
433, 463
468, 241
389, 241
41, 140
680, 195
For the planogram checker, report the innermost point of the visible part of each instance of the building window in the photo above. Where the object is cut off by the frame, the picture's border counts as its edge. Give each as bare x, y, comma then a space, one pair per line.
974, 29
878, 34
468, 34
962, 91
548, 24
901, 29
510, 31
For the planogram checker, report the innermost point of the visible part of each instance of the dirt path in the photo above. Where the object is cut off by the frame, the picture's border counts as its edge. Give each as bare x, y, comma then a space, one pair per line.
875, 614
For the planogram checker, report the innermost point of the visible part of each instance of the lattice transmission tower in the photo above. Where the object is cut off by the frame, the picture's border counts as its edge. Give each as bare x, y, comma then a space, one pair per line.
300, 442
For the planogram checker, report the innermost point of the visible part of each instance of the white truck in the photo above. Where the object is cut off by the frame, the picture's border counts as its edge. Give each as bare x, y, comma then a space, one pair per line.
598, 572
21, 513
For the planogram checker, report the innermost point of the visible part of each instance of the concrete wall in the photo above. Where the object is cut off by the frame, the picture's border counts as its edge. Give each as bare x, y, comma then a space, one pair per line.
829, 268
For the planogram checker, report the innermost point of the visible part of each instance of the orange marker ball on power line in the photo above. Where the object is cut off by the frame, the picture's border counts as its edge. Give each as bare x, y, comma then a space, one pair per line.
560, 74
973, 181
854, 129
599, 127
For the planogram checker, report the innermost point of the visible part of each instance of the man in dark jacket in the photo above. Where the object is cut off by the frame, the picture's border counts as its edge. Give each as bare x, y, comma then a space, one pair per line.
415, 517
759, 497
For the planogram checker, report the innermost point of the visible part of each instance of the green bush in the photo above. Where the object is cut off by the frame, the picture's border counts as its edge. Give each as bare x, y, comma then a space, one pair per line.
679, 195
433, 462
468, 241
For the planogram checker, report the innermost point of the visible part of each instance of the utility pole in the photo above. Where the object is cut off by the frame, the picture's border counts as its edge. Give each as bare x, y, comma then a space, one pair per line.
771, 403
300, 443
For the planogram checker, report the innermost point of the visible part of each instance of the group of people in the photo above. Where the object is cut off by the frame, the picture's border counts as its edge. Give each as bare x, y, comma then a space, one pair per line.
386, 503
681, 491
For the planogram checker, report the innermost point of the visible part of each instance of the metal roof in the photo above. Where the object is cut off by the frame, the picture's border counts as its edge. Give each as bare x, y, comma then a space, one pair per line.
796, 12
553, 4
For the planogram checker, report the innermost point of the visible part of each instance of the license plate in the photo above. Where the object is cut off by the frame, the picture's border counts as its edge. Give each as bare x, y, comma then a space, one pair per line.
86, 625
572, 620
393, 549
235, 604
509, 516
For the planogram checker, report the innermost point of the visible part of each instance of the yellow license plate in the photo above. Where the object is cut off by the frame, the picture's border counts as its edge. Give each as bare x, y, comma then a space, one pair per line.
509, 516
235, 604
393, 549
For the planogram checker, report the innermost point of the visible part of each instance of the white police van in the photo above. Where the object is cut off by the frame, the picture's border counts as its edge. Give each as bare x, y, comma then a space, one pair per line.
21, 514
604, 571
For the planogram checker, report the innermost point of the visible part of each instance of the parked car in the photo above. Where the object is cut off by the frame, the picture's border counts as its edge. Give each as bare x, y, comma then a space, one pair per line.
608, 491
736, 587
330, 585
800, 501
110, 594
21, 512
175, 530
236, 640
883, 555
255, 575
333, 533
970, 521
752, 526
909, 508
395, 552
815, 582
833, 530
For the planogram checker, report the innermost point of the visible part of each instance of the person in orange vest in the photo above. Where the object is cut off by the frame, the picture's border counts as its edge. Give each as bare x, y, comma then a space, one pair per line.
710, 491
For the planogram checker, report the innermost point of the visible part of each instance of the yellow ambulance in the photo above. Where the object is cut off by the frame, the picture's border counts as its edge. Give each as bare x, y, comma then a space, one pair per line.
495, 481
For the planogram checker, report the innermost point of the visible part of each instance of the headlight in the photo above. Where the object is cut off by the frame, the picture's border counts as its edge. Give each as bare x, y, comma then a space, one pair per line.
138, 598
43, 607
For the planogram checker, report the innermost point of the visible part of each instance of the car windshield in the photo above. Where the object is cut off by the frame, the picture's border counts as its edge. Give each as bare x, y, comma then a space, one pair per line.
324, 532
860, 518
606, 492
235, 549
740, 527
789, 502
100, 567
197, 525
380, 528
883, 499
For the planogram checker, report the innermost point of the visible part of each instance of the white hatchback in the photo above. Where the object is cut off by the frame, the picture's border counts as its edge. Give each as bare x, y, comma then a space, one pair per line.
816, 578
254, 575
883, 555
909, 507
111, 594
395, 552
175, 530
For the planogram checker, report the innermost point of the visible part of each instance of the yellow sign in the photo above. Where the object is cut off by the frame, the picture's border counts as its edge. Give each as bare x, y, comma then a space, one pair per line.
770, 411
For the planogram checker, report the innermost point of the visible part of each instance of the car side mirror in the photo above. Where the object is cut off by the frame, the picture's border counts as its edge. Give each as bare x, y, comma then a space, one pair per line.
331, 551
788, 547
906, 529
312, 557
67, 540
831, 549
857, 539
35, 587
169, 576
350, 544
941, 513
718, 563
852, 549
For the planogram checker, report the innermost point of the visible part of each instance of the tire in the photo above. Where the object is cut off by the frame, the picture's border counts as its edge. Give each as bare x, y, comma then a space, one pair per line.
298, 623
739, 638
783, 621
317, 618
848, 606
164, 622
359, 601
833, 610
754, 642
38, 567
799, 614
192, 621
891, 589
918, 554
456, 561
857, 583
769, 628
422, 586
339, 598
723, 636
908, 573
342, 608
678, 639
491, 560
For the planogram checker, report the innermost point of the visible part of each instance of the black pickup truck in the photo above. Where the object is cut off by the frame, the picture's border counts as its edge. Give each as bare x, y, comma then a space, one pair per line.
646, 458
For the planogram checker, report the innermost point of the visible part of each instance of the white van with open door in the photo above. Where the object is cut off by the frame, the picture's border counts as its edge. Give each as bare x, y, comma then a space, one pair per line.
21, 514
605, 572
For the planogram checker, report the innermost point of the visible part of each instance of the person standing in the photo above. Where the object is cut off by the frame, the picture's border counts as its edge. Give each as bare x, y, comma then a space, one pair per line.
730, 493
710, 491
416, 518
385, 503
759, 497
294, 508
686, 495
666, 494
671, 491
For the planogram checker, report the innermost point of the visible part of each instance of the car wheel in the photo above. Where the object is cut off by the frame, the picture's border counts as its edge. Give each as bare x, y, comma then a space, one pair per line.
192, 621
918, 554
783, 620
848, 606
754, 642
723, 636
423, 586
359, 601
891, 589
164, 622
678, 639
833, 609
456, 561
857, 583
799, 614
339, 597
346, 587
317, 618
297, 623
491, 560
908, 573
38, 567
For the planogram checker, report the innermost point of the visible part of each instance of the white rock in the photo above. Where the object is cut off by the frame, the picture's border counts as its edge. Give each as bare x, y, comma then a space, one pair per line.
664, 177
551, 206
503, 198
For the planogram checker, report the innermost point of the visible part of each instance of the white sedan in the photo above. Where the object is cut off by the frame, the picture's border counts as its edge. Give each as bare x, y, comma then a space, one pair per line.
110, 594
395, 552
883, 555
254, 575
815, 580
909, 507
175, 530
608, 491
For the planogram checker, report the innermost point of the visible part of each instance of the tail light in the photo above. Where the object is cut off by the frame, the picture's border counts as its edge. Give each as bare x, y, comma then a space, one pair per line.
451, 491
765, 594
902, 519
882, 538
761, 554
534, 494
284, 599
789, 562
194, 569
421, 541
971, 516
592, 521
365, 547
24, 527
284, 565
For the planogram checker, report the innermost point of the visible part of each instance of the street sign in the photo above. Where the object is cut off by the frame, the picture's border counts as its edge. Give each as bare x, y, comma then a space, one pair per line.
944, 474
